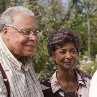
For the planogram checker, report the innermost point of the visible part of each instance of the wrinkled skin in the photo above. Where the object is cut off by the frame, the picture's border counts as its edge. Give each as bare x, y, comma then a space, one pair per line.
17, 43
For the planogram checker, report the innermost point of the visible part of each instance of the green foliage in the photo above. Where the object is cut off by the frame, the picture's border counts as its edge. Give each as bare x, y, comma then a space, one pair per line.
2, 5
51, 18
89, 68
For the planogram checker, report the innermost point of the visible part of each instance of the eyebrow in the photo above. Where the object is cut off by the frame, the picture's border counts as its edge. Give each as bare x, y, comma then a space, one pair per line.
65, 48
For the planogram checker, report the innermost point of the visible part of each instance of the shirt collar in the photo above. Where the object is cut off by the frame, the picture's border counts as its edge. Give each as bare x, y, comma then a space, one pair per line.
54, 83
55, 86
81, 80
26, 63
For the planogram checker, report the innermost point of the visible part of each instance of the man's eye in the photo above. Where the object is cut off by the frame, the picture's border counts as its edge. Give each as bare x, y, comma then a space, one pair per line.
29, 32
36, 32
26, 32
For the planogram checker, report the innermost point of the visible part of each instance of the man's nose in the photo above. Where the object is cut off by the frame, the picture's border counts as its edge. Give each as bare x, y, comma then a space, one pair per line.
33, 37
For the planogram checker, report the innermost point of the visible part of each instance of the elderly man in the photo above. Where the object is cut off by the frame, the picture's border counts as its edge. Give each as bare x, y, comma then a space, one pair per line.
18, 43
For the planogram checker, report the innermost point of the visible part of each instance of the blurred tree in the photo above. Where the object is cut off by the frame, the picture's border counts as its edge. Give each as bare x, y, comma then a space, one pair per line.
2, 6
49, 20
82, 16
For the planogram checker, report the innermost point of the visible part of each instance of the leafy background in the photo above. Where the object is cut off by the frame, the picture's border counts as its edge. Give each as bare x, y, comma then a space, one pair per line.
80, 15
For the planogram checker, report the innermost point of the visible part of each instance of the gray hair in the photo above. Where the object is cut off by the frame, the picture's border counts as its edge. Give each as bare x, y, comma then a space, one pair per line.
7, 16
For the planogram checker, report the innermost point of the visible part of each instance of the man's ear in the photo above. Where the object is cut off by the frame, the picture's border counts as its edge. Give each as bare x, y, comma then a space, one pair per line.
5, 32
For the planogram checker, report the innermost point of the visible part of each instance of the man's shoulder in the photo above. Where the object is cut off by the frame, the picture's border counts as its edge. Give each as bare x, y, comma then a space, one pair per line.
0, 54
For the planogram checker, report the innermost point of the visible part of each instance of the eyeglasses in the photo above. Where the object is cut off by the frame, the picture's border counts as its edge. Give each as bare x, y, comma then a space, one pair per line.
27, 32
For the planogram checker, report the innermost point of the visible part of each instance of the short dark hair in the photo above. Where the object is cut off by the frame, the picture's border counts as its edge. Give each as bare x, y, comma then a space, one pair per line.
58, 38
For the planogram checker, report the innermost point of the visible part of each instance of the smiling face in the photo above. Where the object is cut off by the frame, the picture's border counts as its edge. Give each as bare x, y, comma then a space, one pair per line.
17, 43
66, 57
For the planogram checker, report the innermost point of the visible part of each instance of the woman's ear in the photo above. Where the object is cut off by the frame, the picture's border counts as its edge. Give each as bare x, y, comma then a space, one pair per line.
53, 58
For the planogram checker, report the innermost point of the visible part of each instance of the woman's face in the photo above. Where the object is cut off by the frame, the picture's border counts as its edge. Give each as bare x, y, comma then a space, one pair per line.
66, 57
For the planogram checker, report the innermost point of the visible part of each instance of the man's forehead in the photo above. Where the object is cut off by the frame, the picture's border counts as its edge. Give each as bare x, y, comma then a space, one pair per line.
23, 18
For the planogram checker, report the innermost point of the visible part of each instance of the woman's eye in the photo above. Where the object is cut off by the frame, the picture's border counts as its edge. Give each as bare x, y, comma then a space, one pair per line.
73, 51
62, 52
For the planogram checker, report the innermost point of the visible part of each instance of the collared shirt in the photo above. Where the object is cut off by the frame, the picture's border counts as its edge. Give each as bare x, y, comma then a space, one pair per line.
93, 86
55, 89
21, 76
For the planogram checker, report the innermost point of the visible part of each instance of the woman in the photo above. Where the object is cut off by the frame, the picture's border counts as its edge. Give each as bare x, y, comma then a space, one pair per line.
67, 81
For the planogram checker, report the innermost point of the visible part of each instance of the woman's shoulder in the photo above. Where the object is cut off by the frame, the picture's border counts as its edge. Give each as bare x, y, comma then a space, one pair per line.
46, 88
83, 74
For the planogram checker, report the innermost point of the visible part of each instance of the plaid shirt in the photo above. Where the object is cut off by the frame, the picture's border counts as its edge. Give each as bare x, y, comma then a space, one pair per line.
21, 76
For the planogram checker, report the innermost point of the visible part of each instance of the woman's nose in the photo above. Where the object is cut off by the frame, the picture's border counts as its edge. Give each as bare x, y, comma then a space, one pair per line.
68, 55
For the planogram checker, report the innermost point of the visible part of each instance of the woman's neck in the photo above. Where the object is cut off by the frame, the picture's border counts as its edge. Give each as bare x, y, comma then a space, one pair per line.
64, 75
67, 80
